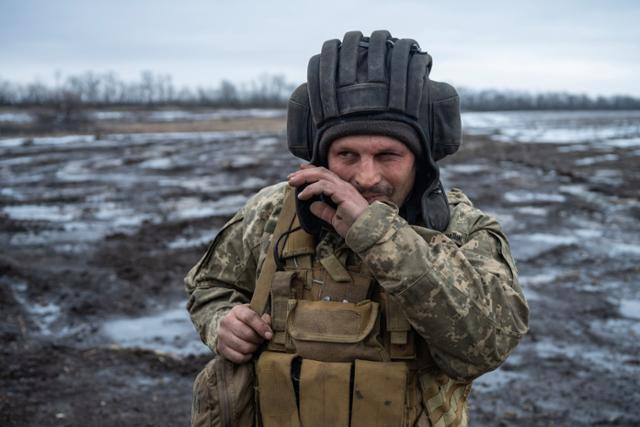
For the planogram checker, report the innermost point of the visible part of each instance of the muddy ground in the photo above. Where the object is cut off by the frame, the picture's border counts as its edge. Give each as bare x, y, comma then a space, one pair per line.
97, 231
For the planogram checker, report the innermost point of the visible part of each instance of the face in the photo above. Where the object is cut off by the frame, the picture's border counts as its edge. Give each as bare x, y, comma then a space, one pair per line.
379, 167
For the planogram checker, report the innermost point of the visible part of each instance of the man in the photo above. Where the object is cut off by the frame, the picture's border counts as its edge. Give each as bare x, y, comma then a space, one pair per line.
384, 296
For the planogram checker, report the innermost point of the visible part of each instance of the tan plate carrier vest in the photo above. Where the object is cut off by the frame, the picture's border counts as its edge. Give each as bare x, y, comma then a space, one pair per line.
343, 353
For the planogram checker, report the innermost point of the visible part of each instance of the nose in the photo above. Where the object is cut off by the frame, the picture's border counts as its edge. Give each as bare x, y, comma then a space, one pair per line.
368, 174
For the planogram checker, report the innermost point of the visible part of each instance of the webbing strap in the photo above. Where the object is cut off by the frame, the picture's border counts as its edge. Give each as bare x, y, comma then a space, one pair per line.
336, 269
397, 323
263, 284
280, 294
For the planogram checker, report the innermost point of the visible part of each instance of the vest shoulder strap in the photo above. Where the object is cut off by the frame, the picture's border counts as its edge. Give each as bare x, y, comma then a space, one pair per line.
263, 283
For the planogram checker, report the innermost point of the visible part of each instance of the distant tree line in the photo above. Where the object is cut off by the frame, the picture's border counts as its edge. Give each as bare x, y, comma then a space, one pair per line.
271, 91
495, 100
106, 89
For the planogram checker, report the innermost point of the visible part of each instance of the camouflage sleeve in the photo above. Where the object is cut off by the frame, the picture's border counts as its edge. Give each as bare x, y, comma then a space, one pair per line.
460, 293
225, 276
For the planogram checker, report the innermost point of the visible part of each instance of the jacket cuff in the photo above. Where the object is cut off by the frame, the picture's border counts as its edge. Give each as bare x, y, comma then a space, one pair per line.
376, 225
212, 330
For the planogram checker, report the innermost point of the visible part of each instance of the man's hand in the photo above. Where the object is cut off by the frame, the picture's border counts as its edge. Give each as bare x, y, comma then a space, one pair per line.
318, 180
240, 333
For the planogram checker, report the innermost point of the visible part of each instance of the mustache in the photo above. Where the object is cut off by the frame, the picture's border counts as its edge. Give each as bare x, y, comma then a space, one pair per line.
380, 189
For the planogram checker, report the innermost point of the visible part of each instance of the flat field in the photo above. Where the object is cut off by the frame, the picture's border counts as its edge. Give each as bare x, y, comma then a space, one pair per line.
99, 224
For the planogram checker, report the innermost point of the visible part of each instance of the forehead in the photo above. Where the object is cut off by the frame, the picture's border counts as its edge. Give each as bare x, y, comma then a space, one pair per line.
368, 143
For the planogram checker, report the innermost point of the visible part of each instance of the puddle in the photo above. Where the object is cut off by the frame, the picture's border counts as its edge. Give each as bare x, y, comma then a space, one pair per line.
47, 140
532, 295
538, 279
574, 148
497, 380
193, 207
185, 115
607, 176
526, 247
531, 210
41, 213
619, 129
162, 163
12, 193
507, 221
630, 309
466, 169
16, 117
601, 357
169, 331
616, 248
586, 161
267, 142
242, 161
582, 192
45, 317
192, 242
121, 216
523, 196
75, 234
613, 329
623, 143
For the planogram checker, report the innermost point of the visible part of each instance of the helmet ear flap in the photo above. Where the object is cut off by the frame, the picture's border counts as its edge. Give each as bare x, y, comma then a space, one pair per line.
435, 207
445, 121
299, 127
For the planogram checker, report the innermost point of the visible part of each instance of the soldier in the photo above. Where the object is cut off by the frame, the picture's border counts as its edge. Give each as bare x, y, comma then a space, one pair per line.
376, 297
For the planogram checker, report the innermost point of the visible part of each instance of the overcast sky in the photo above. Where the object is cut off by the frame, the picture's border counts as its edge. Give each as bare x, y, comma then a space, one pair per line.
578, 46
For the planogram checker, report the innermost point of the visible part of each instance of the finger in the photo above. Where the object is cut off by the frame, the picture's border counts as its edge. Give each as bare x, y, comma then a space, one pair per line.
251, 319
304, 167
236, 343
310, 175
323, 211
244, 332
316, 189
232, 355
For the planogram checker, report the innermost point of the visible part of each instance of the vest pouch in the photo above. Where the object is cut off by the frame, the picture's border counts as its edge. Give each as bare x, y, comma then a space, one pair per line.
324, 393
330, 331
223, 395
379, 394
276, 393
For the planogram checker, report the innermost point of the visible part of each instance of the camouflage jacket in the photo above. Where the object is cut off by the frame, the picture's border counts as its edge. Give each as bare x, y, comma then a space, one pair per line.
459, 289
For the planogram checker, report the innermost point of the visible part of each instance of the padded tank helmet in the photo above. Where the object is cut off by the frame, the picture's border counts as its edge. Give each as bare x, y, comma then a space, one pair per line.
379, 85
